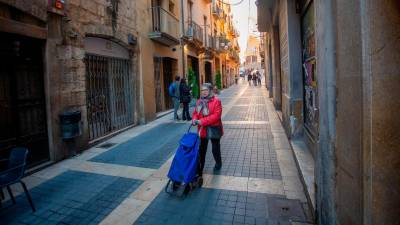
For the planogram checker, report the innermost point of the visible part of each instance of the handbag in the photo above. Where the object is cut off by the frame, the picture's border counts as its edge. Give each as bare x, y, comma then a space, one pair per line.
214, 132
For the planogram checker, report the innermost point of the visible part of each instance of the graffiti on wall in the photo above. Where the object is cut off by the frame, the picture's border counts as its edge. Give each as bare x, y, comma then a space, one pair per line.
311, 106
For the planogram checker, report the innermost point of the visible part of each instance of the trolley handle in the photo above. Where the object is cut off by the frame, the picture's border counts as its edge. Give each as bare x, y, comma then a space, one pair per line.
190, 127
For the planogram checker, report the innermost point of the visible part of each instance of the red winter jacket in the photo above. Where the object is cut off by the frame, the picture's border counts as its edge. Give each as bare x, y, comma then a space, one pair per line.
213, 118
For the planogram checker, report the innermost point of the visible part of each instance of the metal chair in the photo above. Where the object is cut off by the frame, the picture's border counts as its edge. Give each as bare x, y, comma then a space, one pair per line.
14, 173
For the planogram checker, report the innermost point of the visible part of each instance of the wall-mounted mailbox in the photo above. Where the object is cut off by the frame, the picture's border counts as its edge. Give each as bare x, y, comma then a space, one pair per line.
70, 123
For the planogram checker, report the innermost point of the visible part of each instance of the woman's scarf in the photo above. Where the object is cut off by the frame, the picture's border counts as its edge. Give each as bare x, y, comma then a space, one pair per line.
202, 108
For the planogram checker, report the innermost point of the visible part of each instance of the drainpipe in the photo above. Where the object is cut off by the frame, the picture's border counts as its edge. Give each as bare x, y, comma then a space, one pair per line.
181, 39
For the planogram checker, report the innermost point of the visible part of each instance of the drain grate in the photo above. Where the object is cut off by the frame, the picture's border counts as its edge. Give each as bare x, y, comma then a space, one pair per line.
280, 208
106, 145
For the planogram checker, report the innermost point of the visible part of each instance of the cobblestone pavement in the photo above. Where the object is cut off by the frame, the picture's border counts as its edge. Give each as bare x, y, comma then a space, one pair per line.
123, 182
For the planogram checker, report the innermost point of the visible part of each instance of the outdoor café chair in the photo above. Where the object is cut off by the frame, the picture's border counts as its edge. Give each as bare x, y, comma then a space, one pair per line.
14, 172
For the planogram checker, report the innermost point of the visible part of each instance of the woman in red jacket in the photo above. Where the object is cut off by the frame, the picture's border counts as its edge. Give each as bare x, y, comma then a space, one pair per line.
207, 115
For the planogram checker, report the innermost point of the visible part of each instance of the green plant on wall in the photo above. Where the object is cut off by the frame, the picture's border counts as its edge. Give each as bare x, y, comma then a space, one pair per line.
192, 81
218, 80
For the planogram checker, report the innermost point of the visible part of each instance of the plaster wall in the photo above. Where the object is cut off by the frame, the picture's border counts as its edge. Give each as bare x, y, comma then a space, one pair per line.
324, 151
381, 124
148, 50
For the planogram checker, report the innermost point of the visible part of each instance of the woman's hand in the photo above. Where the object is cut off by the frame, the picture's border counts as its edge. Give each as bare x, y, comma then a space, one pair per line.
196, 122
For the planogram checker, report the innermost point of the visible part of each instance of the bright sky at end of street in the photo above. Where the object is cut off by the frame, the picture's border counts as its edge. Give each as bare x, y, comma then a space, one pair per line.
245, 19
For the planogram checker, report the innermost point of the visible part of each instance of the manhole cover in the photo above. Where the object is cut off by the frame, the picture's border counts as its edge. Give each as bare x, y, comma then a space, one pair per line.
280, 208
106, 145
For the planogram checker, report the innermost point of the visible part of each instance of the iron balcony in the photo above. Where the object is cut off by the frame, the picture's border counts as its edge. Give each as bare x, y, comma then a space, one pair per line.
194, 33
165, 29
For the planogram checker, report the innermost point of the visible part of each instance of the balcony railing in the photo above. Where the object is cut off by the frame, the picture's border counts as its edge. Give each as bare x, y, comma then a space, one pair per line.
210, 42
195, 32
164, 26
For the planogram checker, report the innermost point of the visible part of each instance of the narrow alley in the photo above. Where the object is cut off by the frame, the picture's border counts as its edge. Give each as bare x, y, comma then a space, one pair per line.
122, 180
97, 98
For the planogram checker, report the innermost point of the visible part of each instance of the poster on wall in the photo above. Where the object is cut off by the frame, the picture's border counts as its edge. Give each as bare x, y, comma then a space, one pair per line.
311, 106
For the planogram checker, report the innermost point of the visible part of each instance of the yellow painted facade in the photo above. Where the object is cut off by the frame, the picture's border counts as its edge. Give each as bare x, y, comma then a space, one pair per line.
159, 57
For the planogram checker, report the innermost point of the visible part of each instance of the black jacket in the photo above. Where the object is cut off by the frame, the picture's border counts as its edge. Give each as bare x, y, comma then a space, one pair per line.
184, 90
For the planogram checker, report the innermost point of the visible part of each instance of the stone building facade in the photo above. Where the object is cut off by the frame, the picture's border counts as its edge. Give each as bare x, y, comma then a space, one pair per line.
102, 66
87, 53
332, 68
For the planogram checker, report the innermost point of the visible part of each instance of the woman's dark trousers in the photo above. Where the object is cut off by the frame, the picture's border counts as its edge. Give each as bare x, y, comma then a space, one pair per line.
216, 150
185, 113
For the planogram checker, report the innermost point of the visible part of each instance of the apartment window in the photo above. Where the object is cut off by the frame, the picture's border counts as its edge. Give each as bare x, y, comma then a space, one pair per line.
254, 58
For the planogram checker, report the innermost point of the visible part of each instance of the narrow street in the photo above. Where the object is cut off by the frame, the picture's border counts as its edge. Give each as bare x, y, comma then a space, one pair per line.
92, 93
121, 181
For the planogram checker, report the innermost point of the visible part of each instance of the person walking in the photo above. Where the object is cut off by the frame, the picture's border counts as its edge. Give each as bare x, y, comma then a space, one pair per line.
254, 79
249, 77
216, 91
207, 116
184, 91
173, 91
258, 77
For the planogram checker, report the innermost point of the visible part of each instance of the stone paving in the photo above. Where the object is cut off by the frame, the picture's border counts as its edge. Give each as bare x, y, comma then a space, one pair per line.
123, 183
71, 198
150, 149
219, 207
246, 151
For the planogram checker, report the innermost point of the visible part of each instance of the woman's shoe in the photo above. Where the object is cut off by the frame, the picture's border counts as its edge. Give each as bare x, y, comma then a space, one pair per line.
217, 167
199, 181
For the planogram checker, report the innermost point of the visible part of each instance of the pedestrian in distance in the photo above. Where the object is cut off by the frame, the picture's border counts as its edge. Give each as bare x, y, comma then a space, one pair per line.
249, 77
184, 91
216, 91
173, 91
254, 79
258, 77
207, 116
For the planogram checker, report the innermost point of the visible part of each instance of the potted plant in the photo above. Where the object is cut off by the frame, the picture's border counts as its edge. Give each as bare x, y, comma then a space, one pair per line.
218, 81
